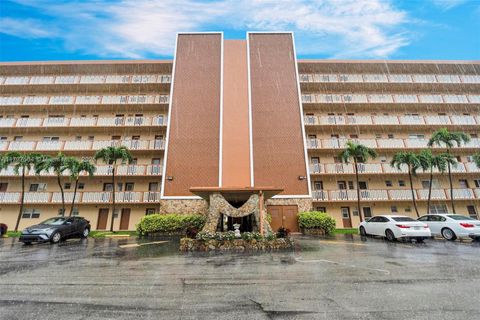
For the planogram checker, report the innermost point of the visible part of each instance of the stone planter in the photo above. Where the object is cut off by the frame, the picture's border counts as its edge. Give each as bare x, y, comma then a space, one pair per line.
188, 245
313, 232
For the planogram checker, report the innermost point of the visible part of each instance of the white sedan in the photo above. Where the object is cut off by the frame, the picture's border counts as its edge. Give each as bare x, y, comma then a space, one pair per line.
452, 226
395, 227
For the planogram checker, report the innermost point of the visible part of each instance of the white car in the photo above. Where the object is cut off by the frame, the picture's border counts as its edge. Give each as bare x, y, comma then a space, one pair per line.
452, 226
395, 227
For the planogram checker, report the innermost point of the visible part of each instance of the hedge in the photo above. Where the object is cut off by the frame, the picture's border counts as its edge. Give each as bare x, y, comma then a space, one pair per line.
316, 220
169, 223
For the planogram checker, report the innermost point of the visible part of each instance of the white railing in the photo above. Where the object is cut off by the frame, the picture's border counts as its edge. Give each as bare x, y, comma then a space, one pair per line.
390, 120
411, 120
389, 98
437, 194
392, 78
7, 122
70, 100
339, 168
21, 145
416, 143
320, 195
49, 145
390, 143
29, 122
9, 197
37, 197
463, 120
462, 194
86, 79
472, 167
78, 145
437, 120
385, 120
82, 122
400, 194
151, 196
55, 122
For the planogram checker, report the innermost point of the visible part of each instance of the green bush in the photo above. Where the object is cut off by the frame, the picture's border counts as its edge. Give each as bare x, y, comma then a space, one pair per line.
316, 220
169, 223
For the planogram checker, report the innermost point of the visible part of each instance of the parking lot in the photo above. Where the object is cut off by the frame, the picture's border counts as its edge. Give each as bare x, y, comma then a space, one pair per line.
345, 277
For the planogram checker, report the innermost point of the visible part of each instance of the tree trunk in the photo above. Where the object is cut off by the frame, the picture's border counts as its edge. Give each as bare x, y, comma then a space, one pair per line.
358, 191
22, 199
451, 188
74, 195
113, 198
430, 190
62, 194
413, 192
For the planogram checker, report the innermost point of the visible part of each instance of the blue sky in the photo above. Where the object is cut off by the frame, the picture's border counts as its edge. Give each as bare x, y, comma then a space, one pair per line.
32, 30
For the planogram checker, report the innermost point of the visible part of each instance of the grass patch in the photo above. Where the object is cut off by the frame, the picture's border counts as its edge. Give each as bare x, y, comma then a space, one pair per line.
103, 234
346, 231
13, 234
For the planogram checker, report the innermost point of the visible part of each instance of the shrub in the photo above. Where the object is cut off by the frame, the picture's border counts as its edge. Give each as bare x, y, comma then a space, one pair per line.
169, 223
316, 220
283, 232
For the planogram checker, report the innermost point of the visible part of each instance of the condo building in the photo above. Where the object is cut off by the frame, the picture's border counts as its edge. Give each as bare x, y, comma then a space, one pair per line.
236, 118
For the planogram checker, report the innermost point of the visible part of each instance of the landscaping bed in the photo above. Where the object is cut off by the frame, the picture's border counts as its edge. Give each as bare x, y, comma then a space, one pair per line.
187, 245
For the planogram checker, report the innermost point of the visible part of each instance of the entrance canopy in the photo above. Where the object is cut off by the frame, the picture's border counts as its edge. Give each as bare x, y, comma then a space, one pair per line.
235, 193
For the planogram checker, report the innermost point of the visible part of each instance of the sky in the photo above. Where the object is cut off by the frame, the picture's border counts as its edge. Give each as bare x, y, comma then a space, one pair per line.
41, 30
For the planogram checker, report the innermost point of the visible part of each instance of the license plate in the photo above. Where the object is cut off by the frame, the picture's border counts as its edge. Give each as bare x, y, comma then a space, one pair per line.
417, 228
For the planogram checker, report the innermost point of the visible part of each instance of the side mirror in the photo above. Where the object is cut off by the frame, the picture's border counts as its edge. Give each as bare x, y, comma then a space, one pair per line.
68, 222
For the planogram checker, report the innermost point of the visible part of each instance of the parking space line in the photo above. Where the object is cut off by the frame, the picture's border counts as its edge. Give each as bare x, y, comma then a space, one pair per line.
134, 245
341, 264
341, 242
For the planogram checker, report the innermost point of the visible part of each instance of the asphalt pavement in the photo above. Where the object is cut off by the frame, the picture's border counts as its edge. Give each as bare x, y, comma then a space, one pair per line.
345, 277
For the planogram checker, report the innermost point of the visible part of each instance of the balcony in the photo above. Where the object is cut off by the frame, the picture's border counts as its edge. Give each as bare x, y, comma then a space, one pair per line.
81, 197
83, 122
381, 143
86, 79
393, 195
312, 120
388, 78
102, 170
80, 145
83, 100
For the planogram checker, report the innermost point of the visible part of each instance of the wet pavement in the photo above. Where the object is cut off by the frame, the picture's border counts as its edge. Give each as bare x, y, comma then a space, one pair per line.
338, 278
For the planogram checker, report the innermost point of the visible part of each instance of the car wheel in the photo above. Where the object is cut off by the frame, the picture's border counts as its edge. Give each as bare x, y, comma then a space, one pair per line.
363, 232
85, 233
448, 234
389, 235
56, 237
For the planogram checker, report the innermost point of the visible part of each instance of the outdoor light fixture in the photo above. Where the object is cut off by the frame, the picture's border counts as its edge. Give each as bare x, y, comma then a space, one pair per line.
170, 178
302, 177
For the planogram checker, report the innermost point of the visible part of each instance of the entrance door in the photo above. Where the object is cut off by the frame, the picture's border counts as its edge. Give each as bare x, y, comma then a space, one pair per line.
102, 219
125, 219
347, 220
283, 216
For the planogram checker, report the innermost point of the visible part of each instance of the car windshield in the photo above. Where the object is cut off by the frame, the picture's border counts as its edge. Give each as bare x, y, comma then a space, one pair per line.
459, 217
402, 219
54, 221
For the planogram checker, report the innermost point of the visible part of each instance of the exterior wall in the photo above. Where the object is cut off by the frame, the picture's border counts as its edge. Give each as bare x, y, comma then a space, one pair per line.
195, 115
184, 206
278, 151
235, 140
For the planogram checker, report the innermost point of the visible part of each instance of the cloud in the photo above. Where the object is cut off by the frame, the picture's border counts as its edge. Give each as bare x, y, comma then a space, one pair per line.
448, 4
26, 28
146, 28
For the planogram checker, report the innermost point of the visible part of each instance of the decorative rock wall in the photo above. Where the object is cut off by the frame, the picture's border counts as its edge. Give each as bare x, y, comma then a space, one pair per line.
184, 206
304, 204
187, 244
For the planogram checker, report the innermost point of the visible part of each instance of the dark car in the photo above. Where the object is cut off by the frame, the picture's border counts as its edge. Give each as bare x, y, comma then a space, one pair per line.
3, 229
56, 229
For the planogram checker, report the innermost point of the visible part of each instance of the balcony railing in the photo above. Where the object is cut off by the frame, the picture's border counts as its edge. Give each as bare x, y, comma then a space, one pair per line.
394, 195
381, 143
386, 78
83, 122
83, 100
366, 168
86, 79
80, 145
390, 98
81, 197
391, 120
102, 170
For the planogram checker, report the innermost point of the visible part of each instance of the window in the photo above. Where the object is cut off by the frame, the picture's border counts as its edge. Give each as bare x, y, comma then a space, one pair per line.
477, 183
408, 209
438, 208
35, 187
362, 185
463, 183
129, 186
345, 212
75, 212
401, 183
472, 212
318, 185
391, 136
321, 209
367, 212
383, 159
394, 209
67, 186
149, 211
350, 185
31, 214
153, 186
61, 212
388, 183
81, 186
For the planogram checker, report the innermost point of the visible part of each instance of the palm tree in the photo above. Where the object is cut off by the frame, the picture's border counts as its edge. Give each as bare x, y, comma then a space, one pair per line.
359, 154
430, 161
476, 159
444, 138
412, 162
111, 155
56, 164
76, 167
21, 163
